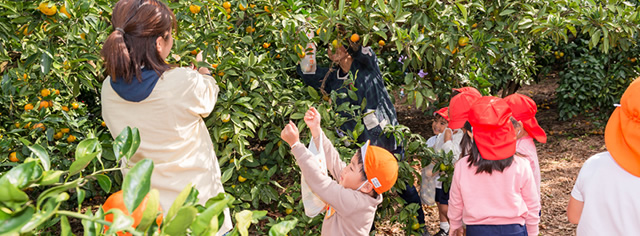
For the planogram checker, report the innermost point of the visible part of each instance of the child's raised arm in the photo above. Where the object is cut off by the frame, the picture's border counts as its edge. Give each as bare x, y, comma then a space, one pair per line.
312, 118
290, 134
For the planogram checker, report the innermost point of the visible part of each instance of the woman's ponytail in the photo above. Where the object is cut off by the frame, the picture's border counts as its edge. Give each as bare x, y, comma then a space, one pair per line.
117, 61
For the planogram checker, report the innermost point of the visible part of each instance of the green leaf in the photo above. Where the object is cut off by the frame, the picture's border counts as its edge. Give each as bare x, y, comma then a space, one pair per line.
42, 154
182, 221
50, 177
150, 213
81, 194
127, 143
136, 184
312, 91
247, 40
595, 38
296, 116
23, 175
85, 152
178, 202
282, 228
65, 228
104, 182
121, 221
226, 175
243, 221
463, 10
207, 222
45, 63
13, 223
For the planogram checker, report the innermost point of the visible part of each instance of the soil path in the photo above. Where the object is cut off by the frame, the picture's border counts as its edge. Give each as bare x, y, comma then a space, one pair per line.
569, 144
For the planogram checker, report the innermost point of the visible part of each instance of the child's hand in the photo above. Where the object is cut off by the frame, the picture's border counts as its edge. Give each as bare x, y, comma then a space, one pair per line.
312, 118
456, 232
290, 134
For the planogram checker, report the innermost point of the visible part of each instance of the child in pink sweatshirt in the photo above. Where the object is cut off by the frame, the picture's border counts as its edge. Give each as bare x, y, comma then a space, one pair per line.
354, 195
493, 192
524, 110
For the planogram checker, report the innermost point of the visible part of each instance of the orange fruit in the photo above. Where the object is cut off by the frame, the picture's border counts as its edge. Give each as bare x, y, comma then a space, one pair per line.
381, 43
463, 41
266, 45
103, 124
226, 118
250, 29
214, 66
288, 211
278, 56
25, 76
83, 36
63, 10
355, 37
226, 5
45, 92
228, 10
252, 5
633, 59
44, 104
116, 201
266, 8
13, 157
221, 73
71, 138
39, 126
58, 135
28, 107
194, 52
241, 7
241, 179
64, 130
75, 105
474, 25
57, 92
195, 9
415, 226
47, 8
65, 108
224, 137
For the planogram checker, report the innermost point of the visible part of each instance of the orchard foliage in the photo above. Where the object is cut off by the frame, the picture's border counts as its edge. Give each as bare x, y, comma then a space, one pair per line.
51, 73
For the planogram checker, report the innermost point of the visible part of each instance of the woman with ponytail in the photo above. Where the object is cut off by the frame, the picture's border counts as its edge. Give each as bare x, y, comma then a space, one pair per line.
166, 103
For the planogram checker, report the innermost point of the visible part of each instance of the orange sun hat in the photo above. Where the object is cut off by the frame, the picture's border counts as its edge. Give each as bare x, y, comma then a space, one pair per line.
524, 109
444, 112
493, 132
459, 108
622, 134
380, 166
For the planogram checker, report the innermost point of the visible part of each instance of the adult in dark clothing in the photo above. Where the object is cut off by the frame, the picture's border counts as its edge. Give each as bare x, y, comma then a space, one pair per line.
361, 62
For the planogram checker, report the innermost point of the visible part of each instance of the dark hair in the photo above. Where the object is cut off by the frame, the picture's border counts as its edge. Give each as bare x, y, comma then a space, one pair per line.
454, 93
137, 24
465, 143
358, 155
485, 165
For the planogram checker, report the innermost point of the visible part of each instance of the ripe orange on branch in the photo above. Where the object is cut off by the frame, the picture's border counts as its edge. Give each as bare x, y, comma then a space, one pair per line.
355, 38
116, 201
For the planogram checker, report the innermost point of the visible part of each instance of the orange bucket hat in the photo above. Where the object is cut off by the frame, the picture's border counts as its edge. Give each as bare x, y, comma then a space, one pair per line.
493, 132
524, 109
622, 134
459, 108
380, 166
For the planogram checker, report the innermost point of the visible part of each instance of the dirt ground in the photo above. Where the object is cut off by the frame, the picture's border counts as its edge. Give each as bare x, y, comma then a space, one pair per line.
569, 144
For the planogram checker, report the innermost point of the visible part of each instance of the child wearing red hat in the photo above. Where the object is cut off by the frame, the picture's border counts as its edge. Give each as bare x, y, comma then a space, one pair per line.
493, 191
354, 195
427, 186
524, 111
606, 197
450, 141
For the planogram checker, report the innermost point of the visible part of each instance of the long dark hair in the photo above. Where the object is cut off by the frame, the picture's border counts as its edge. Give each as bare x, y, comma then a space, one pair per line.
465, 143
137, 24
485, 165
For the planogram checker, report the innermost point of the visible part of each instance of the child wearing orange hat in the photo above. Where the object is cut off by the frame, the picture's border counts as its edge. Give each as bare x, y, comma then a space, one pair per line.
354, 195
606, 197
524, 111
493, 191
450, 141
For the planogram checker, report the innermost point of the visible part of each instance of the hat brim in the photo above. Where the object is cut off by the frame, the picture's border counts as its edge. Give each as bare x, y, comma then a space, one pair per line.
618, 141
456, 124
495, 144
533, 128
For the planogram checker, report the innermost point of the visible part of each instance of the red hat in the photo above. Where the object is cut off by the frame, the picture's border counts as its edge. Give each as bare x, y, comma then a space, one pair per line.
444, 112
380, 166
493, 132
524, 109
622, 134
459, 108
468, 90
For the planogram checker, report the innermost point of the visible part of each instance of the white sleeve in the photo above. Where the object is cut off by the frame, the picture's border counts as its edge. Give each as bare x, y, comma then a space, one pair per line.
431, 142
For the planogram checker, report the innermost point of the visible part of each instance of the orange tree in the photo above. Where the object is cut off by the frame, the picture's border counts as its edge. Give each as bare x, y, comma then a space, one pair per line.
51, 75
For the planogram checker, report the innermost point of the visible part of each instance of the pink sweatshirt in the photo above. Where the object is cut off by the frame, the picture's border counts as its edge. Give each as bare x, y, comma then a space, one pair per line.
354, 210
503, 198
526, 147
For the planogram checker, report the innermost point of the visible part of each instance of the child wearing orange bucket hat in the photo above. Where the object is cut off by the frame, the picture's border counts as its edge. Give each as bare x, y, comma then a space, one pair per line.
493, 191
524, 111
353, 197
605, 199
450, 141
